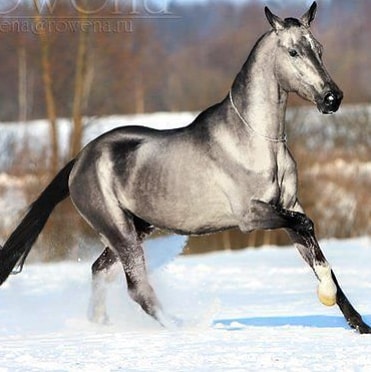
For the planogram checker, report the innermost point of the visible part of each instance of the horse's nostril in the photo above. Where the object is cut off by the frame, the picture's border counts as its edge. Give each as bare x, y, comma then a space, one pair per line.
330, 98
330, 101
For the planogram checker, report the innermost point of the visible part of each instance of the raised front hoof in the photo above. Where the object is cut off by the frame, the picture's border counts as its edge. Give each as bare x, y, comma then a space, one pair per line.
356, 322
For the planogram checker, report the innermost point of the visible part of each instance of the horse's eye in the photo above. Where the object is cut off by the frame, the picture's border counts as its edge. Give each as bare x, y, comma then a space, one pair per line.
293, 53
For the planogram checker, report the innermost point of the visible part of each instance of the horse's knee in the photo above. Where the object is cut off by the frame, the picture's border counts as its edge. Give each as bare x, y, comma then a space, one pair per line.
295, 220
304, 223
104, 262
263, 215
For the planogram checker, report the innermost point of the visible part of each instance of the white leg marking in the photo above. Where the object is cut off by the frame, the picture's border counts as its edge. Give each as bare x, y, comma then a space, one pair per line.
97, 307
97, 312
326, 287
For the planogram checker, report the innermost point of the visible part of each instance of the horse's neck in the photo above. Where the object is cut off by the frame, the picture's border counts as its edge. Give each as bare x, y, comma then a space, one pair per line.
257, 94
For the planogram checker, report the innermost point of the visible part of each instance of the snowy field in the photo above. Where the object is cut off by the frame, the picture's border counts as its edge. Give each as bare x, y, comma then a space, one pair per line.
249, 310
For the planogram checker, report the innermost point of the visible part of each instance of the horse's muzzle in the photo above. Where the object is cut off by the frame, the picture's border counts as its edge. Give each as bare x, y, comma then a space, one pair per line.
330, 101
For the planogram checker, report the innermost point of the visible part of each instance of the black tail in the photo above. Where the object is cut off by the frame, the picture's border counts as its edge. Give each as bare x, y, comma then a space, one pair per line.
20, 242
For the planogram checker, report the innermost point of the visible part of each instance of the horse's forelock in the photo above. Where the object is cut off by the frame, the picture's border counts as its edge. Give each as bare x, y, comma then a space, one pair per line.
292, 22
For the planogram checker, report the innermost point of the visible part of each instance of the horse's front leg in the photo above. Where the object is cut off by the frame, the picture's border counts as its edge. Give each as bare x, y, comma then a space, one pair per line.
300, 228
301, 231
329, 290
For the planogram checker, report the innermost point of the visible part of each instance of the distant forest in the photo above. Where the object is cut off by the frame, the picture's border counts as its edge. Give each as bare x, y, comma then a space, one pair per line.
143, 57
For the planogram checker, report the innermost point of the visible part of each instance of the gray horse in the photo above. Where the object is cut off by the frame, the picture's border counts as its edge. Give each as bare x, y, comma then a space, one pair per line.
230, 168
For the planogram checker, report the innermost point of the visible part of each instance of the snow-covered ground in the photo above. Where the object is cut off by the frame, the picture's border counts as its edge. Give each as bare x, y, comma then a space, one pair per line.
249, 310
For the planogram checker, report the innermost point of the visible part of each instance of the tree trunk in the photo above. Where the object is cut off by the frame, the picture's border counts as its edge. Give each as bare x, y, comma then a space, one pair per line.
226, 238
139, 94
22, 84
80, 91
49, 96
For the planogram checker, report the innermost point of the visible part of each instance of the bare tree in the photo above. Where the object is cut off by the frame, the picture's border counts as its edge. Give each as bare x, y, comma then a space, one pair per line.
22, 83
80, 91
48, 90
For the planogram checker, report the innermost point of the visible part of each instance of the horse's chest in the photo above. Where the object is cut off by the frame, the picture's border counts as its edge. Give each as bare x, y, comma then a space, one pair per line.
261, 176
264, 185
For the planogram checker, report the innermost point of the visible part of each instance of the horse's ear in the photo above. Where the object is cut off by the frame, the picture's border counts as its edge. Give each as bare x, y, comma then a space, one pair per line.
308, 17
276, 22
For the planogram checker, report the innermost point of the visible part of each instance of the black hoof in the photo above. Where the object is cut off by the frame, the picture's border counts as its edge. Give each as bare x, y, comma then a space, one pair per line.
356, 322
363, 329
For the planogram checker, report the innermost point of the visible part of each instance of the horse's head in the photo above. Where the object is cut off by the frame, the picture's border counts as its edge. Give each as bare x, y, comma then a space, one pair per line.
298, 61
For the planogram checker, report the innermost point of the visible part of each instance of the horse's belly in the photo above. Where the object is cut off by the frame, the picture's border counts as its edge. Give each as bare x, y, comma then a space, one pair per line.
199, 219
177, 187
185, 212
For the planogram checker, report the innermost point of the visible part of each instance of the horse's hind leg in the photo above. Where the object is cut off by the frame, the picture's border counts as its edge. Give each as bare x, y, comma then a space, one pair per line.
104, 270
126, 244
135, 271
138, 286
121, 232
131, 256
